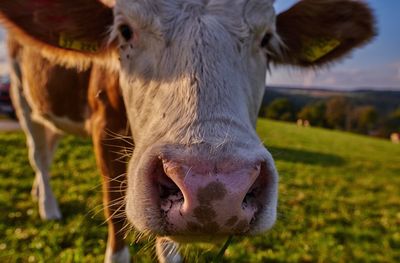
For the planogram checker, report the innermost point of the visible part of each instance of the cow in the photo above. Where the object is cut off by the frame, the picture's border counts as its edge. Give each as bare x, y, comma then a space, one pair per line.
303, 123
183, 81
395, 138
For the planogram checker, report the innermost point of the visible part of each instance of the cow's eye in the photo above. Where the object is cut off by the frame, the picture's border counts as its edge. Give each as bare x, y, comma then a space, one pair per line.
126, 32
266, 39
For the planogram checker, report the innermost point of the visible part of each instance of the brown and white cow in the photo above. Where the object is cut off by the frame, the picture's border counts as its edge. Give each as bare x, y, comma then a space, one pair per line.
191, 77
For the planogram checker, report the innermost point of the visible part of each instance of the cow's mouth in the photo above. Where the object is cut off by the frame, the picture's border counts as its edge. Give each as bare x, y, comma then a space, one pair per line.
212, 239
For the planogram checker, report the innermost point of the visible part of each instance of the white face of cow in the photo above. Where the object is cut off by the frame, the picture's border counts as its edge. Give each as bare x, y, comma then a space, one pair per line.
193, 77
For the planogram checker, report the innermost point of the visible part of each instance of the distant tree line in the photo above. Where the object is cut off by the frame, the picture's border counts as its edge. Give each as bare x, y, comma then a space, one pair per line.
336, 113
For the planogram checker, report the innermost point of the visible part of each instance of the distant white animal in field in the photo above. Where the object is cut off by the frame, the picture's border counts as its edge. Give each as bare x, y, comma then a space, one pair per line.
395, 138
303, 123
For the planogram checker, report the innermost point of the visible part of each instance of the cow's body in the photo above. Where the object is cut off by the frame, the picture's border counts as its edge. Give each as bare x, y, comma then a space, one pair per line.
42, 93
186, 89
49, 89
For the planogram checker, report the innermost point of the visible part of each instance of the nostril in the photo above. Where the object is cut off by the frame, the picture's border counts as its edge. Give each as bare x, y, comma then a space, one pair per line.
169, 192
166, 186
256, 191
249, 198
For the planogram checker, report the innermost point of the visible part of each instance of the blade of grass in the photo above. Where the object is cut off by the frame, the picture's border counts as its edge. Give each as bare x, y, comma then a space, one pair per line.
221, 253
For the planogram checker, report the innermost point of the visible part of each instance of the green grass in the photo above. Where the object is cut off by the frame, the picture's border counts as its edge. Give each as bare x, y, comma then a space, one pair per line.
339, 202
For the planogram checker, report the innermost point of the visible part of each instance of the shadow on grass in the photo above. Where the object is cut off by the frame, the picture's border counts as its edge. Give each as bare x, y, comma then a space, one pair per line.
72, 208
306, 157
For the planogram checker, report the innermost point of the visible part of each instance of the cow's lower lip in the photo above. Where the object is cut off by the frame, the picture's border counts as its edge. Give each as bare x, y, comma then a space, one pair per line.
183, 239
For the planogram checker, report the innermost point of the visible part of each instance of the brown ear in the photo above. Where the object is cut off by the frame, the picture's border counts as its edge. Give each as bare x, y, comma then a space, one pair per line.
316, 32
62, 28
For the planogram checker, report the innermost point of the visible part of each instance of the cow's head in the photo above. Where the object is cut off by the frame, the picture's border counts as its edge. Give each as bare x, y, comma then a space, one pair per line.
192, 77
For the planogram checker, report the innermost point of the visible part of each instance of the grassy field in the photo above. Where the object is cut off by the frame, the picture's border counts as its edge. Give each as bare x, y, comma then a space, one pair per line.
339, 202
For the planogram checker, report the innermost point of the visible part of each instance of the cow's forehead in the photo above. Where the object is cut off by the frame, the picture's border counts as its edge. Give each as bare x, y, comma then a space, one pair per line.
153, 12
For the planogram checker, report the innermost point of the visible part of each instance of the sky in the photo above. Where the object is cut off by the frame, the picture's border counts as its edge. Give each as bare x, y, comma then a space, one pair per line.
375, 66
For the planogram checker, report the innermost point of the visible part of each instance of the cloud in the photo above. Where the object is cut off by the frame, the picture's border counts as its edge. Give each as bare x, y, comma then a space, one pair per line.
377, 77
397, 67
309, 78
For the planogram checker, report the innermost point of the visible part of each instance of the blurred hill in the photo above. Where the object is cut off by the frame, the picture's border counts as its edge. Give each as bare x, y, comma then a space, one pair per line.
385, 101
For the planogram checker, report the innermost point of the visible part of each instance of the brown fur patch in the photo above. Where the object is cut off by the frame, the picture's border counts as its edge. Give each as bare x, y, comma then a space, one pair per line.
211, 227
241, 226
53, 89
204, 214
106, 101
231, 221
108, 121
351, 22
46, 20
212, 192
193, 227
13, 47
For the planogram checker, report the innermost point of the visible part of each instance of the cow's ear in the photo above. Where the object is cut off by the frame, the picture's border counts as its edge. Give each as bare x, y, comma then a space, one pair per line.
315, 32
65, 30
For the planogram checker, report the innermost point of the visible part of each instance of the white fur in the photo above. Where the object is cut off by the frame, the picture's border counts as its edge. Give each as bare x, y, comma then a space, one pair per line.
168, 251
122, 256
60, 124
193, 75
41, 142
